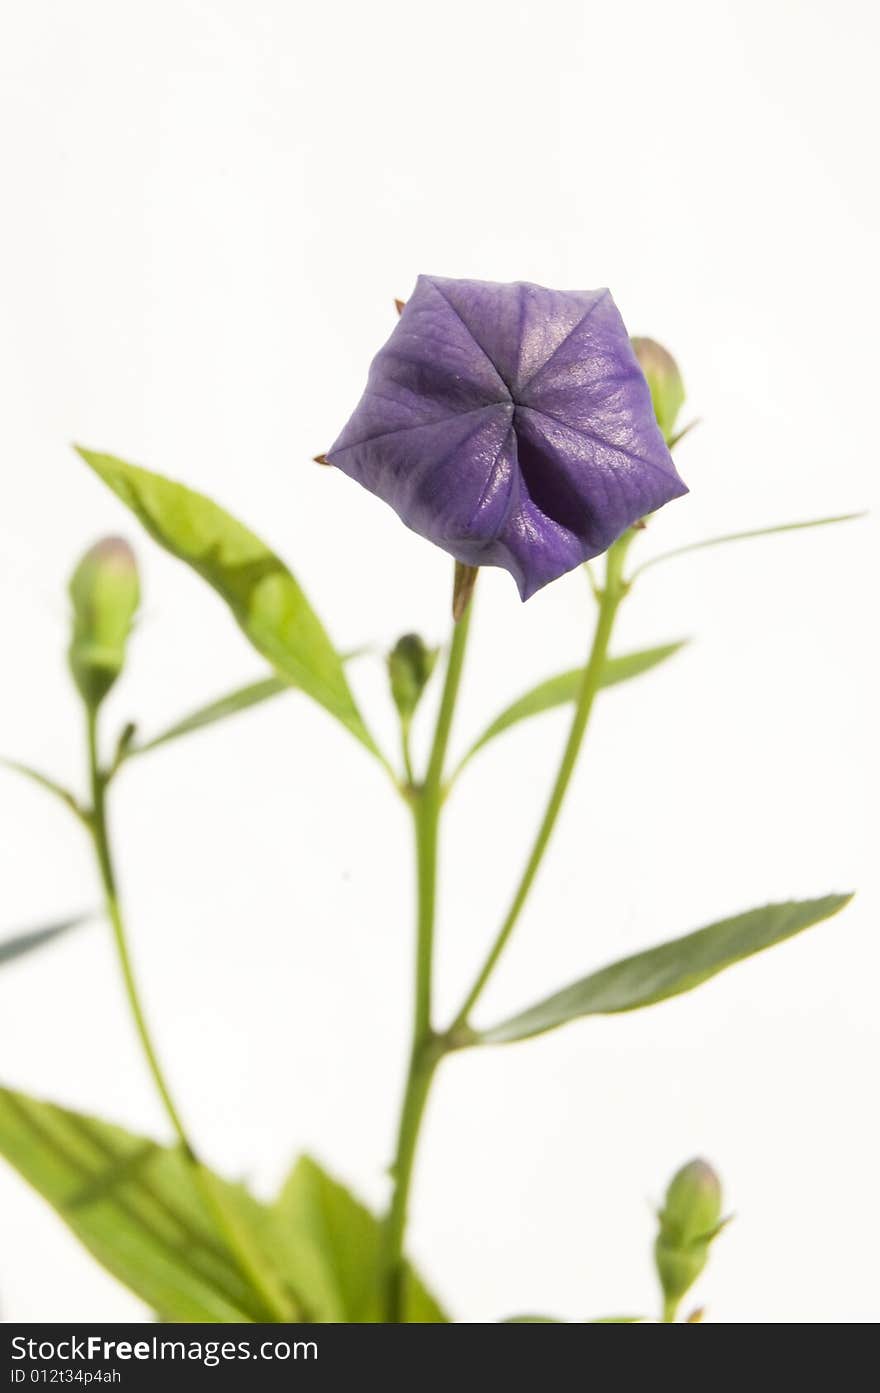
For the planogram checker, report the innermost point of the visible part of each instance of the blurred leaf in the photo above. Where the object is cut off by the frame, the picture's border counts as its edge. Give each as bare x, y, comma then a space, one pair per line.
20, 944
44, 782
337, 1241
615, 1320
744, 537
668, 970
679, 435
228, 705
533, 1320
136, 1207
239, 700
559, 690
266, 601
554, 1320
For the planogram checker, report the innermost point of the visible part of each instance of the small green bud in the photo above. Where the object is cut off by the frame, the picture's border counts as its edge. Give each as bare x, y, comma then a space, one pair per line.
689, 1220
105, 592
664, 380
693, 1202
410, 664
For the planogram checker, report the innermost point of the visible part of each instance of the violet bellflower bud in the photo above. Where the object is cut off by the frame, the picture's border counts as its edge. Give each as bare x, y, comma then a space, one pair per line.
510, 425
105, 594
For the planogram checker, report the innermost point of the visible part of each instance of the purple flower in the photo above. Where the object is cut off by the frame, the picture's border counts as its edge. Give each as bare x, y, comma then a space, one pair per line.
510, 425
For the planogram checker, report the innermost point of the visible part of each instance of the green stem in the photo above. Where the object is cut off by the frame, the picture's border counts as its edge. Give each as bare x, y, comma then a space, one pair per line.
237, 1240
406, 751
393, 1277
427, 801
612, 593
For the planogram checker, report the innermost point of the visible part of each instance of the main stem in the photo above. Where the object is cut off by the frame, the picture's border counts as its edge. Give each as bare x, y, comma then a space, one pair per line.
426, 800
238, 1242
610, 597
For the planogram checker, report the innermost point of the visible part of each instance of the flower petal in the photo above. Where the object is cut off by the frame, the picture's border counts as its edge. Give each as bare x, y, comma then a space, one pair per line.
449, 479
511, 425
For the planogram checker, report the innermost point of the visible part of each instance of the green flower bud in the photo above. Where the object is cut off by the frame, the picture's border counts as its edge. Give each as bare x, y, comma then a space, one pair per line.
693, 1202
105, 592
689, 1220
664, 380
410, 664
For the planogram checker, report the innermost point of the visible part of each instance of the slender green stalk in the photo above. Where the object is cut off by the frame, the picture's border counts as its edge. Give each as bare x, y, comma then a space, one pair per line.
611, 595
237, 1240
422, 1064
406, 750
748, 536
427, 801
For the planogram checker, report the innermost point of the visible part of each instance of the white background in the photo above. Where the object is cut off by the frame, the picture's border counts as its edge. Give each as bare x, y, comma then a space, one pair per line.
208, 210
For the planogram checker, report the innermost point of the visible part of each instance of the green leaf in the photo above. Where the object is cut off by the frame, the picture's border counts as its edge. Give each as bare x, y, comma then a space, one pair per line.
615, 1320
564, 688
19, 944
253, 694
136, 1207
747, 536
44, 782
263, 596
229, 705
533, 1320
668, 970
336, 1243
554, 1320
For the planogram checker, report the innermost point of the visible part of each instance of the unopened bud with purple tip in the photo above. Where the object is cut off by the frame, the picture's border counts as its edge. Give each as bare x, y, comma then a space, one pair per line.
689, 1220
665, 383
105, 593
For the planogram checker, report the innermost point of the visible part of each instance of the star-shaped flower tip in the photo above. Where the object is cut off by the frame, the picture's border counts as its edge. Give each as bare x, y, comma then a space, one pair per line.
510, 425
